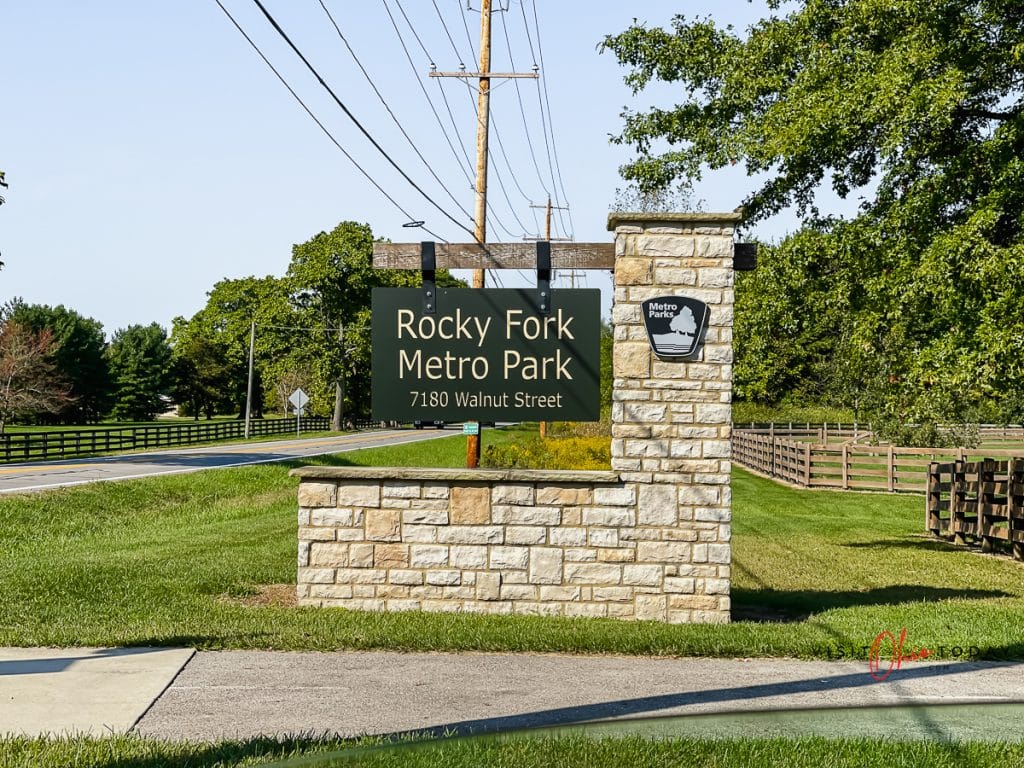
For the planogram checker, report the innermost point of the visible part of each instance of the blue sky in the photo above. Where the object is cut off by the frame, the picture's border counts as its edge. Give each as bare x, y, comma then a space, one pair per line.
151, 153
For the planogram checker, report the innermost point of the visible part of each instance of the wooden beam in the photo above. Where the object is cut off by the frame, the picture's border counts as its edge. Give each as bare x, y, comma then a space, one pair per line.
495, 256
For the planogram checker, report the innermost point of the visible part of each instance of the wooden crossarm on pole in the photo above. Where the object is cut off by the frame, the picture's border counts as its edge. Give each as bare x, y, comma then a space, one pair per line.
478, 75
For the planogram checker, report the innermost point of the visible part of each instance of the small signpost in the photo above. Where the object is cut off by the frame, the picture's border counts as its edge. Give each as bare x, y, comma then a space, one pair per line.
471, 428
299, 400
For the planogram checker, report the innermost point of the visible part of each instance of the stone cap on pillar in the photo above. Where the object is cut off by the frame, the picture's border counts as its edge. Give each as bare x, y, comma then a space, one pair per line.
674, 221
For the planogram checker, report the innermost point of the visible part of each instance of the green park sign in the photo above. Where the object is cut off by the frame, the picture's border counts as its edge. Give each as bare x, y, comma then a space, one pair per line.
486, 355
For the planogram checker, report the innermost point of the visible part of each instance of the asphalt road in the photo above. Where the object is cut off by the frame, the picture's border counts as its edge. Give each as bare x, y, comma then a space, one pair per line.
41, 475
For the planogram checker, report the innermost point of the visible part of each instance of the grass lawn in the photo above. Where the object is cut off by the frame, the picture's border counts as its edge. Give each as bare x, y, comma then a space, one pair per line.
182, 560
566, 751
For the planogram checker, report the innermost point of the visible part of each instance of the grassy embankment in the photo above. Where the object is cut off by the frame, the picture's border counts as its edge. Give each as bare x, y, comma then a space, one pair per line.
186, 560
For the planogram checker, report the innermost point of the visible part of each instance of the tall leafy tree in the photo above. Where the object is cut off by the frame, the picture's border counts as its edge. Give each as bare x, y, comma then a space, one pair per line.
332, 277
79, 357
915, 106
140, 363
202, 376
225, 323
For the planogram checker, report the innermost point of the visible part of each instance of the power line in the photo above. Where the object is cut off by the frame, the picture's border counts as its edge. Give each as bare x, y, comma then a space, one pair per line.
543, 118
497, 136
522, 109
469, 37
508, 163
366, 175
389, 110
547, 100
444, 97
462, 64
430, 102
355, 121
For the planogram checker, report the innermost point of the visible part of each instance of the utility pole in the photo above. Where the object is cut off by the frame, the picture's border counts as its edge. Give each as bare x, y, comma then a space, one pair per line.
248, 392
483, 107
548, 208
339, 389
547, 236
483, 113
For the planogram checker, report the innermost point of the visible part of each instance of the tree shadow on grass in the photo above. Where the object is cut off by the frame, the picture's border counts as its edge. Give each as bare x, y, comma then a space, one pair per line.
770, 605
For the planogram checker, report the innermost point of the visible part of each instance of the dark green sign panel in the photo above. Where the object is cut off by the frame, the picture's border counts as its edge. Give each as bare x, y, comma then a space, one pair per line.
486, 355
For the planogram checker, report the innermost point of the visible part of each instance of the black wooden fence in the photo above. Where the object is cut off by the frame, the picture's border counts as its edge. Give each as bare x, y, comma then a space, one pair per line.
40, 446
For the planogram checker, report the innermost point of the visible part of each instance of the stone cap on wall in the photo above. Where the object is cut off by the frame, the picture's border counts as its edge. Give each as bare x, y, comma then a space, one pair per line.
618, 219
457, 475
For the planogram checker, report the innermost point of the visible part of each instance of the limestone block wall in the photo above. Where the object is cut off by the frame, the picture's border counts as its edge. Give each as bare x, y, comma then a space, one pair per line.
671, 420
649, 540
488, 541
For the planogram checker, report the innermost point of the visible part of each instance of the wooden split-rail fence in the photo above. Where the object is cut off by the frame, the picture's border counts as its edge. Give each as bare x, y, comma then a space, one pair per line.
978, 502
799, 456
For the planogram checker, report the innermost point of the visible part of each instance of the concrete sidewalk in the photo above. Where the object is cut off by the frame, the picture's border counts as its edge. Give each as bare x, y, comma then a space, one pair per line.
242, 694
82, 690
179, 694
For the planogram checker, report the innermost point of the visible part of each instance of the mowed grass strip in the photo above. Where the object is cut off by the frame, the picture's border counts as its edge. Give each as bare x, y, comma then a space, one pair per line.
522, 752
186, 559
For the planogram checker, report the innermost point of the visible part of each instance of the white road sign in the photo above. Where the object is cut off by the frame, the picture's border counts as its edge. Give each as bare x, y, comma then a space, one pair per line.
298, 398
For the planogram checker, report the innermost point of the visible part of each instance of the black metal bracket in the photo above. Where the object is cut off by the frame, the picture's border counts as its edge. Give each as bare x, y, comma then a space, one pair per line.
544, 276
744, 257
428, 259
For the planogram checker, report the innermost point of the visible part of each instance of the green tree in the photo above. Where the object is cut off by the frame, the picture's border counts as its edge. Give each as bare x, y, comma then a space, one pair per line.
225, 322
332, 277
202, 377
140, 362
916, 107
79, 357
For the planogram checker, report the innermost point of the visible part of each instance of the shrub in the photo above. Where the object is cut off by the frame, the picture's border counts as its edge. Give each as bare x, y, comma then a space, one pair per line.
554, 453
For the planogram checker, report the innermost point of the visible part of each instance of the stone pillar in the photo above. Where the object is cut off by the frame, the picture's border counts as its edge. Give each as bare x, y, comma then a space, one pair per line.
671, 419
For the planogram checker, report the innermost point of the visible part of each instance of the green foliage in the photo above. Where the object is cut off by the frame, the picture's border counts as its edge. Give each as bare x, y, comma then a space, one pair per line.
607, 341
909, 311
140, 364
327, 287
211, 349
80, 357
550, 453
331, 277
746, 412
202, 376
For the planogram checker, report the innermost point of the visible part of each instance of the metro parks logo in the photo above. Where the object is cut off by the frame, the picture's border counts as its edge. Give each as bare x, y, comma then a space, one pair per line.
675, 325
